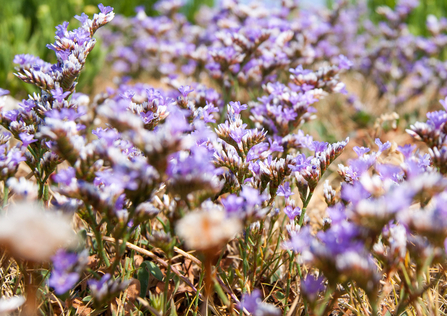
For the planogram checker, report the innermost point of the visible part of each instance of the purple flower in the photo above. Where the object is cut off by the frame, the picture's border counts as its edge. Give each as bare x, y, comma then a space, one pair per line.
300, 241
319, 146
289, 114
176, 122
389, 171
424, 160
233, 203
65, 176
301, 162
83, 18
444, 103
66, 114
254, 167
300, 71
3, 92
292, 212
256, 151
147, 117
274, 146
119, 177
27, 139
399, 199
284, 190
97, 285
16, 156
344, 63
61, 29
104, 10
382, 147
59, 94
237, 134
185, 90
437, 118
64, 260
406, 150
62, 281
358, 167
360, 151
311, 286
207, 113
354, 193
27, 105
252, 196
128, 94
108, 135
336, 213
238, 107
11, 115
251, 301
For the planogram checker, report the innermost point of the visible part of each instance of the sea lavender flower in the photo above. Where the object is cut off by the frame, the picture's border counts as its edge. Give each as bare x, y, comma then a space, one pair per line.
254, 305
71, 48
311, 286
106, 288
3, 92
291, 210
67, 267
284, 190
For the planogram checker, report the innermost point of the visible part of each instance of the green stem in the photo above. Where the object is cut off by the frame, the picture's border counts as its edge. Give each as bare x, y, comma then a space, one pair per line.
303, 212
289, 278
165, 292
196, 299
244, 258
255, 256
98, 237
5, 194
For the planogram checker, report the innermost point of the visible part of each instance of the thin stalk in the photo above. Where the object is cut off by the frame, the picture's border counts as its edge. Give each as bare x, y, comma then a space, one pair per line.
255, 256
303, 211
196, 298
289, 278
98, 237
5, 194
165, 292
245, 260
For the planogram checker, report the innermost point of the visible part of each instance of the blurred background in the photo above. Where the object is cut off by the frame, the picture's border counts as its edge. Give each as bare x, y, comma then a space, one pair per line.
26, 26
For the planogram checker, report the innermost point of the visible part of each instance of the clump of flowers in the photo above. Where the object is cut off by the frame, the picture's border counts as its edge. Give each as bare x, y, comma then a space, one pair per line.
194, 196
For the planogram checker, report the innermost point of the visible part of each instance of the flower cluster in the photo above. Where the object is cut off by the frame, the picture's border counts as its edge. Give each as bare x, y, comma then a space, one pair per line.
205, 188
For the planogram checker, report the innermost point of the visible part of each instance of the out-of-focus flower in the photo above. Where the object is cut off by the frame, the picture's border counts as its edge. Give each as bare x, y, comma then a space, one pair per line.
106, 288
22, 188
206, 230
254, 305
10, 304
32, 233
3, 92
67, 267
311, 286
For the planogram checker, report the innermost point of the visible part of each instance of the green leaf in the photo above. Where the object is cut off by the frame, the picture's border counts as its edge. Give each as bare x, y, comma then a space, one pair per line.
155, 270
173, 312
144, 271
280, 296
143, 277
